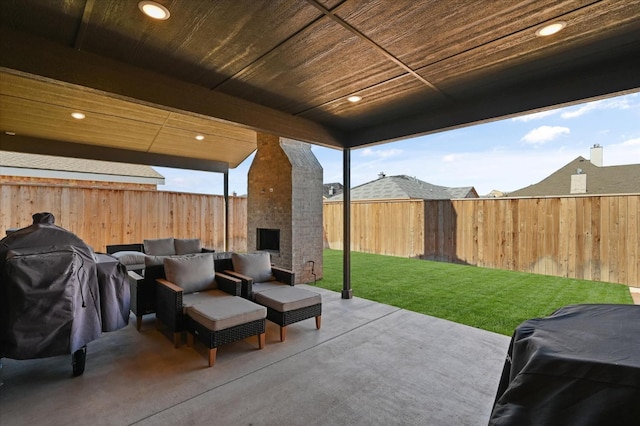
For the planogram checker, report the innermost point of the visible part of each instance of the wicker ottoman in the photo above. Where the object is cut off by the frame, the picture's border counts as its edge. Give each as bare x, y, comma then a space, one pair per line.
288, 304
220, 320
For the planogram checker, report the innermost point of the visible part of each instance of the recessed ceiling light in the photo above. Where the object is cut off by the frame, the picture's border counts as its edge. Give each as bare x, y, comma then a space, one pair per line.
78, 115
199, 137
550, 29
154, 10
354, 98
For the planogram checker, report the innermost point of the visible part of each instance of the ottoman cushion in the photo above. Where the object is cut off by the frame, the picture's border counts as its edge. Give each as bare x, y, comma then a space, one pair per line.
219, 313
268, 285
287, 298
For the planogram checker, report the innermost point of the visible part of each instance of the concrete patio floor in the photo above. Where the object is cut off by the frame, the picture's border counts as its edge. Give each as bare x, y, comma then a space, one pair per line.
370, 364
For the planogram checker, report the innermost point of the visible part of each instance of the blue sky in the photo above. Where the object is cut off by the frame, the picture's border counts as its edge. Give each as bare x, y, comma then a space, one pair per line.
505, 155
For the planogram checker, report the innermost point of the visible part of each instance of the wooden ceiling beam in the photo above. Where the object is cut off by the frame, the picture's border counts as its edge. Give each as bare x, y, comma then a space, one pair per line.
45, 146
19, 51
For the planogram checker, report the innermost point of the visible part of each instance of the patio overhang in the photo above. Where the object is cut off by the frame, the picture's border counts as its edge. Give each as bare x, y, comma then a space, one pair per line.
228, 69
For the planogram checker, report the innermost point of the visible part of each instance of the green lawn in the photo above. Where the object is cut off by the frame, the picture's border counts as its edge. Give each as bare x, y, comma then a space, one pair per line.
490, 299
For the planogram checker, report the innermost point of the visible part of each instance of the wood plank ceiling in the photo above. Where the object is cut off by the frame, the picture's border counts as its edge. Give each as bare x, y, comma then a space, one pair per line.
228, 68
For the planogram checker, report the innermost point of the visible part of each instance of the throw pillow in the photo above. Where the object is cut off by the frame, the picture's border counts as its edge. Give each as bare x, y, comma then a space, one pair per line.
187, 246
159, 247
255, 265
129, 257
191, 272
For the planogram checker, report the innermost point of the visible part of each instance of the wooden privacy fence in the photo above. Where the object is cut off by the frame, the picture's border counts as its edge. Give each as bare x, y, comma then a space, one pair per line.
113, 216
587, 237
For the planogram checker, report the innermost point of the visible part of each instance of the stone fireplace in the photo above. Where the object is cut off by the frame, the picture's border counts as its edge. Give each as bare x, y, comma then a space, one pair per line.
284, 206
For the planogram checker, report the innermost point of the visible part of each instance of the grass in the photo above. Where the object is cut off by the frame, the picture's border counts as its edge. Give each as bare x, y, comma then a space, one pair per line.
489, 299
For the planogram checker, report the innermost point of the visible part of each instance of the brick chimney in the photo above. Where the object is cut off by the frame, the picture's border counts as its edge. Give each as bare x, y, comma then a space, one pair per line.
284, 206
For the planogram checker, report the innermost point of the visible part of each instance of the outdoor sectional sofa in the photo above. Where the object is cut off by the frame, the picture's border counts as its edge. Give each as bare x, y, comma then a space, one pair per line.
145, 265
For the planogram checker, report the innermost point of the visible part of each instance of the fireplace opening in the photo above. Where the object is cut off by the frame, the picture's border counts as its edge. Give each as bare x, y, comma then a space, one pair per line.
268, 239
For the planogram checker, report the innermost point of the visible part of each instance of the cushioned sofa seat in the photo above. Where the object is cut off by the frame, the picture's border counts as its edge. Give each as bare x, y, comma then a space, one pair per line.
220, 310
145, 263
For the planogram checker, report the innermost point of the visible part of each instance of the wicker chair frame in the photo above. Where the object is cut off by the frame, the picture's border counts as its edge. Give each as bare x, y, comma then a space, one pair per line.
169, 306
283, 319
212, 339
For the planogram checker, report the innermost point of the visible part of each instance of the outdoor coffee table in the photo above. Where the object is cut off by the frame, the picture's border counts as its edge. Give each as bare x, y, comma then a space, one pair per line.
288, 305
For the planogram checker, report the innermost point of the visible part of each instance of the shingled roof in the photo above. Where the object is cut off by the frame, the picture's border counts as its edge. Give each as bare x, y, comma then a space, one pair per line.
406, 187
17, 160
600, 180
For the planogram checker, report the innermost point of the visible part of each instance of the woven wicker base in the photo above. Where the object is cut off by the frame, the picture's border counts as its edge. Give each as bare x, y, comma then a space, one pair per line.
283, 319
213, 339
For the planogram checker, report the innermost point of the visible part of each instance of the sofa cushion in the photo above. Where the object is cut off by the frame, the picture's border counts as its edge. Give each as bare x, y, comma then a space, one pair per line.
187, 245
154, 260
217, 310
287, 298
193, 272
266, 285
255, 265
130, 257
160, 247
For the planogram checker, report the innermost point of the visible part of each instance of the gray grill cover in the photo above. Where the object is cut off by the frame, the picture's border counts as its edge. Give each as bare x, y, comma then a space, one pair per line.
50, 292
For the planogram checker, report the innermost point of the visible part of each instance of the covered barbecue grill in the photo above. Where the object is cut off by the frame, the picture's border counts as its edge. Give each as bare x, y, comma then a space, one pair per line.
51, 284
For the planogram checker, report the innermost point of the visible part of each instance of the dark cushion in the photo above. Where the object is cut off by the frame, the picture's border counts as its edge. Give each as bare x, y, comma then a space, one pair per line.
160, 247
255, 265
187, 246
193, 272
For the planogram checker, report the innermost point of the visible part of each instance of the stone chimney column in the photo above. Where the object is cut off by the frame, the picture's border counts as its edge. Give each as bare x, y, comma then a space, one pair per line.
285, 200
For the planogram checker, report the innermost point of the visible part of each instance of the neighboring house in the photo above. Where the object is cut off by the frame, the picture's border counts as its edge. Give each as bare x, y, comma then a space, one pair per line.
495, 194
582, 176
331, 189
17, 167
406, 187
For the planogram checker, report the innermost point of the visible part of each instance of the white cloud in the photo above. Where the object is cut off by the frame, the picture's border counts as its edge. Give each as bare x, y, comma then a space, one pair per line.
544, 134
616, 103
626, 152
450, 158
631, 142
380, 153
535, 116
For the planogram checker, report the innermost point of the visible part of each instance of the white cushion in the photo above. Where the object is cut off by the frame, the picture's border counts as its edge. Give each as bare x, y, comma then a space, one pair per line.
191, 272
254, 265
